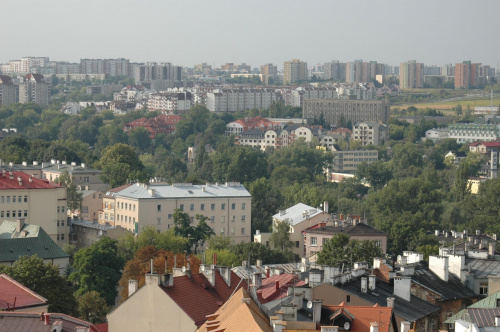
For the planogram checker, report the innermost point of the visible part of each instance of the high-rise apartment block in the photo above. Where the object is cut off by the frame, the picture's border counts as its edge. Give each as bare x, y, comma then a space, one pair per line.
294, 71
469, 75
8, 91
359, 71
411, 75
334, 70
269, 71
160, 76
34, 88
234, 100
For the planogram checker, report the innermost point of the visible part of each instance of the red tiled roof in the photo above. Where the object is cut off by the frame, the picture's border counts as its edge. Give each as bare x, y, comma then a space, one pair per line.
24, 321
158, 124
102, 327
364, 315
487, 144
8, 181
14, 293
196, 296
268, 292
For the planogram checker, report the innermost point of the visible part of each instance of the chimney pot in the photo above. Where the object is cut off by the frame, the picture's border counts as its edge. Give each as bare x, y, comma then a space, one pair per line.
47, 319
277, 285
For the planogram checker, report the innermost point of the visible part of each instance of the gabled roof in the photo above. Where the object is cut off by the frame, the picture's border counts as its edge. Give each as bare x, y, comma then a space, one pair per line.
15, 295
361, 316
32, 240
198, 298
23, 321
240, 313
10, 180
360, 229
276, 287
296, 213
487, 144
488, 303
411, 311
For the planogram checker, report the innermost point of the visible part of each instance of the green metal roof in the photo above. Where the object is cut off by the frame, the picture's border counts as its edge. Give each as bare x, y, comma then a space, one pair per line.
34, 241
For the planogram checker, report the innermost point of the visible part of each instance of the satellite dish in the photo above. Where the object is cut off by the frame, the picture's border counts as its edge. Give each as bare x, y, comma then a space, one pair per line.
347, 326
183, 269
202, 268
309, 304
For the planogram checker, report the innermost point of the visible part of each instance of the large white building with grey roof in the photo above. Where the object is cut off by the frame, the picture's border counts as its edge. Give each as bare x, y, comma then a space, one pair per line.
227, 207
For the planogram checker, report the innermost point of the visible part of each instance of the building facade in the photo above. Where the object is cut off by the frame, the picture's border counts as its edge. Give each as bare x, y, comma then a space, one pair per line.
369, 133
335, 112
294, 71
348, 161
269, 71
34, 88
411, 75
227, 207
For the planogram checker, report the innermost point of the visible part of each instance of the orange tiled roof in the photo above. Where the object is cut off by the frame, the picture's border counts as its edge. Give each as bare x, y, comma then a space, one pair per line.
10, 180
275, 287
363, 316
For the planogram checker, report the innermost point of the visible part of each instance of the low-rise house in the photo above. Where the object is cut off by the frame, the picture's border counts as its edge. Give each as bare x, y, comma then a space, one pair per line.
316, 236
44, 322
299, 217
16, 297
19, 239
180, 300
84, 233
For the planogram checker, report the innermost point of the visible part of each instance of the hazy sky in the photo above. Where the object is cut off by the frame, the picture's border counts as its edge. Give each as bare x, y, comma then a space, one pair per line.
187, 32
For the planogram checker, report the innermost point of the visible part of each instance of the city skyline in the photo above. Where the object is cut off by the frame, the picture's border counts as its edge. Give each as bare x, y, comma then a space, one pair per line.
263, 32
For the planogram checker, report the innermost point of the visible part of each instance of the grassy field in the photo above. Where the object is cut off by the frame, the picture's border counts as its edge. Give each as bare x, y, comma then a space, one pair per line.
448, 105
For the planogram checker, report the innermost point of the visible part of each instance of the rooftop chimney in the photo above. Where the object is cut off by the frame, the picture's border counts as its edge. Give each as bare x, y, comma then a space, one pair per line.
325, 206
371, 282
491, 248
132, 286
497, 321
390, 302
405, 327
373, 327
257, 279
364, 287
439, 265
225, 272
329, 329
19, 224
402, 287
209, 272
47, 319
317, 311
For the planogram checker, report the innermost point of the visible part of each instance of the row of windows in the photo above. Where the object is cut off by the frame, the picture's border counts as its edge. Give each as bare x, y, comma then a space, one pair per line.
128, 206
14, 199
60, 237
60, 223
61, 209
7, 214
202, 207
232, 230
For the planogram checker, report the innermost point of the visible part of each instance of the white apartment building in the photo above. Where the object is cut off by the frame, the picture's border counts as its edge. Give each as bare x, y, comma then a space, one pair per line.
470, 132
227, 207
34, 88
369, 133
170, 102
234, 100
437, 134
274, 138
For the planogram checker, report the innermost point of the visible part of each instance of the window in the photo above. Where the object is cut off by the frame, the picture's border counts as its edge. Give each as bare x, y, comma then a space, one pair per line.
126, 206
314, 241
62, 208
223, 219
222, 230
243, 218
19, 199
243, 206
233, 219
1, 214
2, 199
232, 230
158, 221
223, 206
169, 216
212, 207
93, 196
158, 208
14, 200
7, 214
297, 244
181, 207
62, 237
325, 240
62, 222
191, 207
19, 213
348, 299
8, 199
58, 237
212, 218
483, 289
233, 206
14, 213
58, 223
242, 230
202, 207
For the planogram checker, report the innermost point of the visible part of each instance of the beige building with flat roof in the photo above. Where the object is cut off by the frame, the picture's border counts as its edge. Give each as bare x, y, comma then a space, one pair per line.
37, 201
227, 207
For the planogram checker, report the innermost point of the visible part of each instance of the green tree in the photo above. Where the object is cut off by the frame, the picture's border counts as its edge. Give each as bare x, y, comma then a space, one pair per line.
280, 238
196, 235
45, 280
219, 242
73, 197
92, 308
139, 138
340, 250
119, 163
97, 268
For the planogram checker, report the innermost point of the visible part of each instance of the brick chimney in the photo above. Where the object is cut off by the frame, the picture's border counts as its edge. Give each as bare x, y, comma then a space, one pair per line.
47, 319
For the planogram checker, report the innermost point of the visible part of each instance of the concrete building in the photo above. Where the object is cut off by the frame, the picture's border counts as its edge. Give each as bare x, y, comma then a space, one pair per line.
258, 122
170, 102
334, 70
359, 71
234, 100
34, 88
9, 93
294, 71
84, 233
227, 206
336, 111
81, 175
470, 75
369, 133
275, 138
411, 75
161, 124
158, 76
91, 204
299, 217
348, 161
20, 239
437, 134
471, 132
36, 201
269, 71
